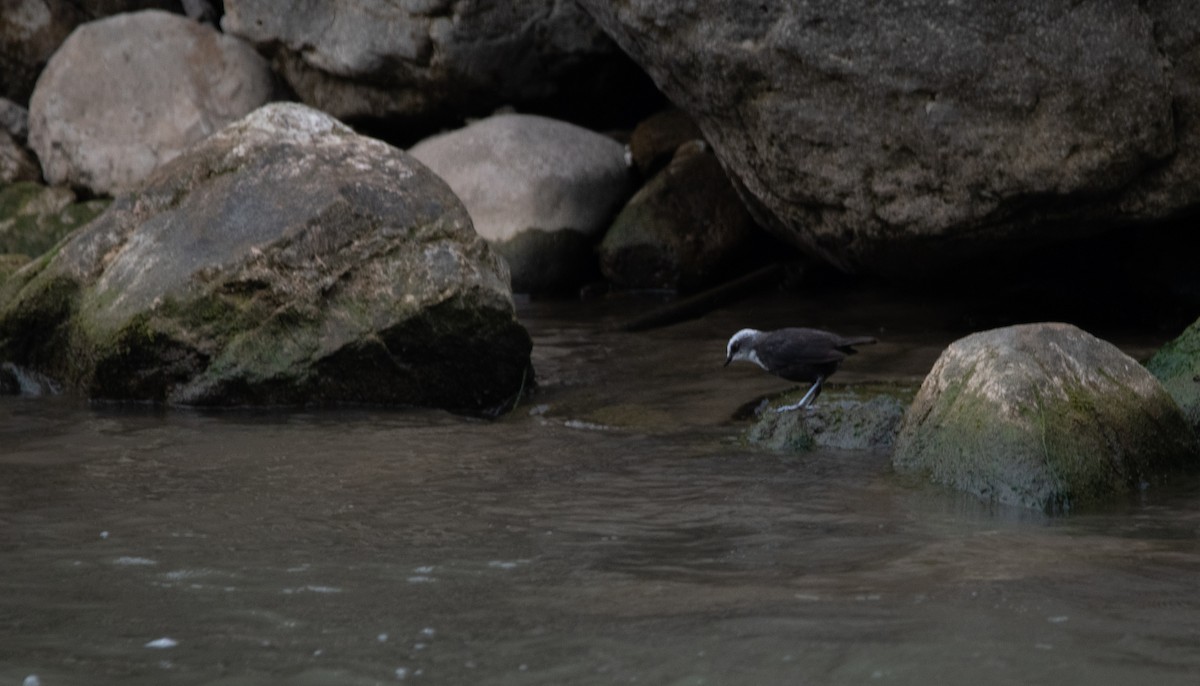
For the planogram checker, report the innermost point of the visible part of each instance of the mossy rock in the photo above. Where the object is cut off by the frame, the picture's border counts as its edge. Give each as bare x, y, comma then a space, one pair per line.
856, 418
1177, 366
1043, 416
285, 260
33, 217
9, 264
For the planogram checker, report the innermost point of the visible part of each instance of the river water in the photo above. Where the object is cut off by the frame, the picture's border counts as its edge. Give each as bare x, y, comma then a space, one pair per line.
613, 529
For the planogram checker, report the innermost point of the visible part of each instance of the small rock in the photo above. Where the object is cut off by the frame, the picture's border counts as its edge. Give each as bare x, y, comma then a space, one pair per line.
843, 420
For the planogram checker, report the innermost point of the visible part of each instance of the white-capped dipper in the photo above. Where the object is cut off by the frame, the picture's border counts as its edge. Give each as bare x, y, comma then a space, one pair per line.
796, 354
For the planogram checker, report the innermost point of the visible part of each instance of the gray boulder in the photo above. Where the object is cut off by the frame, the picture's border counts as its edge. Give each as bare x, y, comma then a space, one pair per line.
421, 61
1177, 366
31, 30
865, 132
680, 229
539, 190
283, 260
1044, 416
128, 93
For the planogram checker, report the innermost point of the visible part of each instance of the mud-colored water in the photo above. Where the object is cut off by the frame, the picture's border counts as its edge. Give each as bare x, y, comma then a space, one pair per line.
612, 530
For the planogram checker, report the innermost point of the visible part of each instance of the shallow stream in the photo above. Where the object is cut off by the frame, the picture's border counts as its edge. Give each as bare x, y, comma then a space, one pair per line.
612, 530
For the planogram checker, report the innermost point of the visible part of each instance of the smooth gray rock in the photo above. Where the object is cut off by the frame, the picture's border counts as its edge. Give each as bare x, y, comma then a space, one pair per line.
679, 229
430, 59
539, 190
1044, 416
128, 93
900, 137
283, 260
31, 30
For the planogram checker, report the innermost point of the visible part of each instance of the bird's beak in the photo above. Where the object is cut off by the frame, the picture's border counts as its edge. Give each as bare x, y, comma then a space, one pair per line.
728, 360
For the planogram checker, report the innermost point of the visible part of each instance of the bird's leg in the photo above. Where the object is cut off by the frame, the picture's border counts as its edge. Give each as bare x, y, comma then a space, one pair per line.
807, 399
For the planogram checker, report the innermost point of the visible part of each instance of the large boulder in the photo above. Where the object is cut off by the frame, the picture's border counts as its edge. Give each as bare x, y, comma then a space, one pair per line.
1177, 366
130, 92
418, 62
899, 137
680, 229
1044, 416
284, 260
539, 190
31, 30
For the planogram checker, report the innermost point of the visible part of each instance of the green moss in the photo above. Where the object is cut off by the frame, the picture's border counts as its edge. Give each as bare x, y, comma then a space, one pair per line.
33, 218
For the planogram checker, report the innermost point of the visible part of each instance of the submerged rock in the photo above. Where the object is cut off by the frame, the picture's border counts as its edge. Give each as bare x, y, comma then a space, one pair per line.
284, 260
853, 419
1044, 416
865, 132
1177, 366
539, 190
128, 93
680, 229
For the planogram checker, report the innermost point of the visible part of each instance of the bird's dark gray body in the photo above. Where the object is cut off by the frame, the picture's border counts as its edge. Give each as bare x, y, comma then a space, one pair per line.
795, 354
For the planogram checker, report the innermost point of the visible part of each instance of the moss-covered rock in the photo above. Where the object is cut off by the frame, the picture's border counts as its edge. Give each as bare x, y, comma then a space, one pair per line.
680, 229
9, 264
34, 217
1177, 366
1044, 416
864, 418
284, 260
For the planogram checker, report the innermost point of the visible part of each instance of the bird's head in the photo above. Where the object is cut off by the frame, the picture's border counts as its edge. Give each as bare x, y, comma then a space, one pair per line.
741, 346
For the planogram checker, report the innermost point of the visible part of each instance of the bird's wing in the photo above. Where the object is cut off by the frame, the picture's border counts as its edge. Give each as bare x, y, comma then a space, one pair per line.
802, 346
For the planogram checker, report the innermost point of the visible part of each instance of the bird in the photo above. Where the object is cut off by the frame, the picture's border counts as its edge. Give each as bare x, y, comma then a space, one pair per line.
796, 354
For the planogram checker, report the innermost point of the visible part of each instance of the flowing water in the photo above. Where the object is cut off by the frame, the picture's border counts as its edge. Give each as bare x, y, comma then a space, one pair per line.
612, 530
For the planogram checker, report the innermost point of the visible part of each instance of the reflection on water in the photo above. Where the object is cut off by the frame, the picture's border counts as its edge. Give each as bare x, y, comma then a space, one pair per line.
613, 530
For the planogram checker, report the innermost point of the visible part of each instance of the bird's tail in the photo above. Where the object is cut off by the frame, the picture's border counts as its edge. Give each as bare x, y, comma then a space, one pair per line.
846, 345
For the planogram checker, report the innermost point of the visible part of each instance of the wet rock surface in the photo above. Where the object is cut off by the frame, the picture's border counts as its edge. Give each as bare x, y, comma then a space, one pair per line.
885, 137
1044, 416
128, 93
285, 260
854, 418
